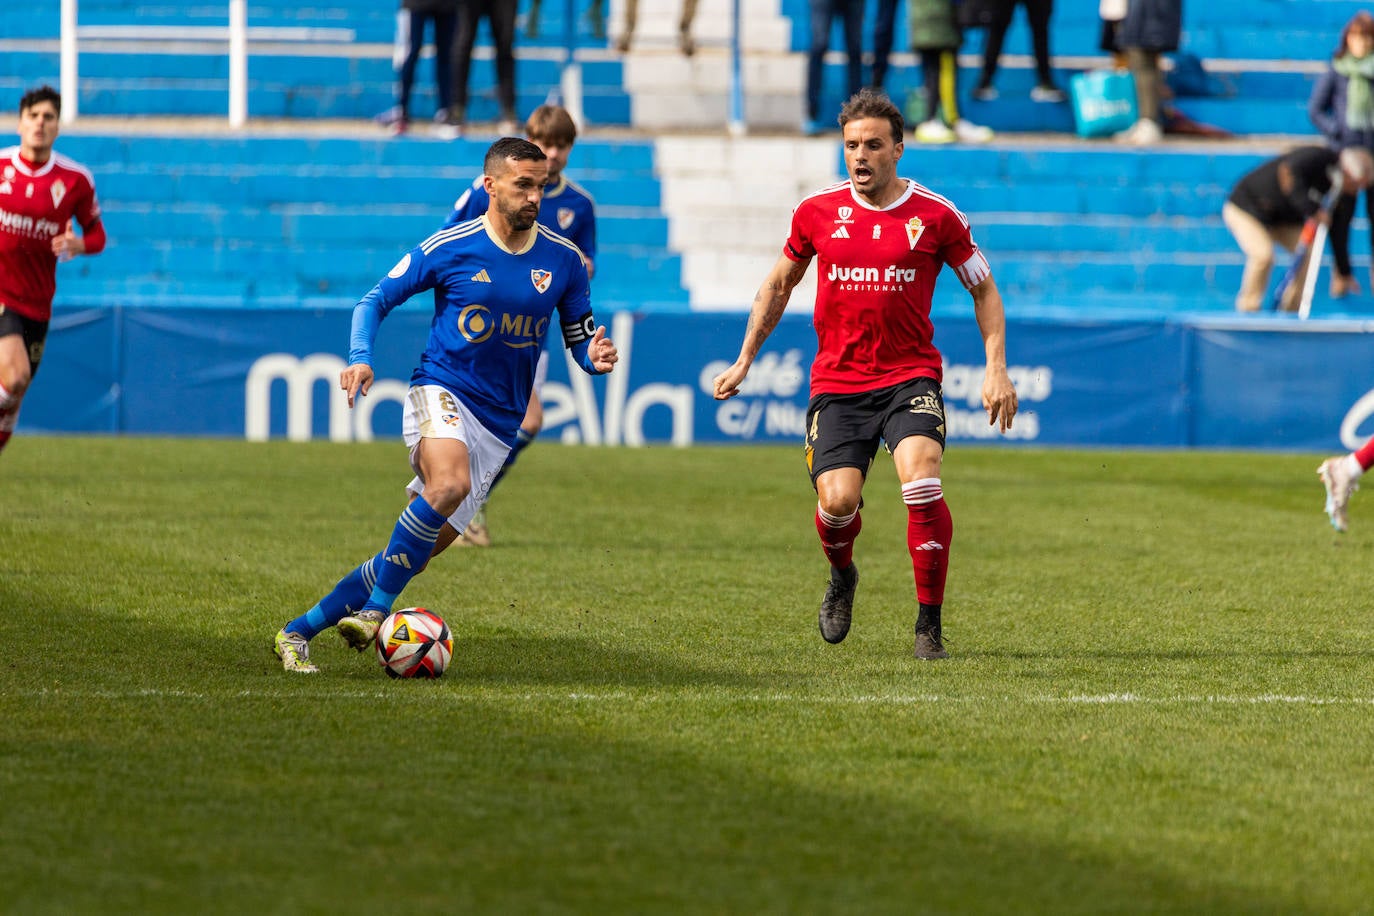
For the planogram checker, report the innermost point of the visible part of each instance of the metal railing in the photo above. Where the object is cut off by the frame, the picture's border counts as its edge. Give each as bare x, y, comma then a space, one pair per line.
237, 35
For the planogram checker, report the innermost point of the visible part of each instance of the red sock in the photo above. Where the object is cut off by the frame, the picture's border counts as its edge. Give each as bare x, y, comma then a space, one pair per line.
1365, 456
929, 530
837, 537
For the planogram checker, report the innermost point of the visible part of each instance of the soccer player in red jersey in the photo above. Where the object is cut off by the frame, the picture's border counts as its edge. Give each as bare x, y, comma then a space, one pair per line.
881, 241
41, 193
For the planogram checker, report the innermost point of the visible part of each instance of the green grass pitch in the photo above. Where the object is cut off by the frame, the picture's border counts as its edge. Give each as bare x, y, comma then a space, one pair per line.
1159, 699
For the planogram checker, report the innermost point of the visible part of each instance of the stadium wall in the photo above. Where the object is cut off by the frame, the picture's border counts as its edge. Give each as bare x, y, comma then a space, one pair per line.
1272, 383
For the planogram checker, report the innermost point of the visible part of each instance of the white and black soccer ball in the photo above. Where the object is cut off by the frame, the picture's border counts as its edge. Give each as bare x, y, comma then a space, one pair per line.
414, 642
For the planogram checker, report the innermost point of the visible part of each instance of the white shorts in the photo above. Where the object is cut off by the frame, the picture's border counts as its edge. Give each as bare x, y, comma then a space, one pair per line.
434, 412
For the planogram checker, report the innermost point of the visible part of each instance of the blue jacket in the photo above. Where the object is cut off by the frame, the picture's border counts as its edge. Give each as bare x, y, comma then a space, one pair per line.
1326, 109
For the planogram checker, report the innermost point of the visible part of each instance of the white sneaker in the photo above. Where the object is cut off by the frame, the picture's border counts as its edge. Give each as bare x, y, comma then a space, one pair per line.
1145, 132
968, 132
1339, 483
935, 131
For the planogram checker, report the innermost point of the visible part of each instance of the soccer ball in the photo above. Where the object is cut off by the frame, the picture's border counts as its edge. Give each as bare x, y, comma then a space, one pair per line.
414, 642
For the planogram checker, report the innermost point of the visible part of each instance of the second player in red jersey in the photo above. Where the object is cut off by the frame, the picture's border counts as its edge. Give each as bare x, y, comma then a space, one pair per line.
881, 241
41, 195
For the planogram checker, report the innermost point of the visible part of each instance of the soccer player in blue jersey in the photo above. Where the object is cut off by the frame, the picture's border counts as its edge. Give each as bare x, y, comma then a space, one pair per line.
497, 281
570, 211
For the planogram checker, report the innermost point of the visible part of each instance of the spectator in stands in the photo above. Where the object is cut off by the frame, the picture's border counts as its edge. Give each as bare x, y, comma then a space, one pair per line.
1038, 15
1341, 477
1342, 108
1151, 27
410, 41
567, 209
823, 13
1270, 204
685, 42
41, 194
936, 36
884, 27
500, 15
596, 18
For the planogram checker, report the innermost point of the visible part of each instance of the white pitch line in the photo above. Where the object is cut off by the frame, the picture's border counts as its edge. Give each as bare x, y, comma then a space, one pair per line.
633, 697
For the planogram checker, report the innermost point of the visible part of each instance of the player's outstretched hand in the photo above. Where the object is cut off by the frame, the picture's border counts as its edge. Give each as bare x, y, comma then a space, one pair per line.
999, 399
602, 351
356, 379
726, 385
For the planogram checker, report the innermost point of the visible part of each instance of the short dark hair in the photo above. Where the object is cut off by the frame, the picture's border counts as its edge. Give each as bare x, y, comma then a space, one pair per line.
551, 124
872, 103
41, 94
516, 148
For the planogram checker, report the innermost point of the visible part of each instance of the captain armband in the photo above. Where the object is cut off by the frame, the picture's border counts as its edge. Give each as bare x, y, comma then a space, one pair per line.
575, 332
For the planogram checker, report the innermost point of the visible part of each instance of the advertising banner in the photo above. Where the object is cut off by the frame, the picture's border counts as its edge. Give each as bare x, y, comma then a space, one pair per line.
1307, 386
273, 373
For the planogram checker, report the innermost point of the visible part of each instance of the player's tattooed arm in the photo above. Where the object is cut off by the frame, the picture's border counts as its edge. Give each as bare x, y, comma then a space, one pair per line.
772, 297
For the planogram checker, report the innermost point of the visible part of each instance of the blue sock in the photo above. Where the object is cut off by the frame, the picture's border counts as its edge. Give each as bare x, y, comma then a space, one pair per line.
411, 543
347, 598
523, 438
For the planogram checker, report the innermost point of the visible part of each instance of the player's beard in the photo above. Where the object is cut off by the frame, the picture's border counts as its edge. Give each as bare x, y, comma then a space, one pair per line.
520, 218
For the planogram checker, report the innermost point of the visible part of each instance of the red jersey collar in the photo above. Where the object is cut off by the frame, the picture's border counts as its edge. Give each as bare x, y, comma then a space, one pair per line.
32, 169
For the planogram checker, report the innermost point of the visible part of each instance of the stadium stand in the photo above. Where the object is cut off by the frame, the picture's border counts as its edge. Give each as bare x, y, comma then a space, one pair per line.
309, 211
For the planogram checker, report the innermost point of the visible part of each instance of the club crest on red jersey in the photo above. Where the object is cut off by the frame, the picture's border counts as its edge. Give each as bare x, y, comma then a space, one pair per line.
541, 279
914, 230
59, 191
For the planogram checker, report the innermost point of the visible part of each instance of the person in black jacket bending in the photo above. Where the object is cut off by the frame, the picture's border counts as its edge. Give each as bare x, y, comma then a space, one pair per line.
1271, 203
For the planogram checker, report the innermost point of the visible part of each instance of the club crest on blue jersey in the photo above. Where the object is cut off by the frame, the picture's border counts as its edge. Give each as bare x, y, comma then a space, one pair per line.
565, 217
541, 279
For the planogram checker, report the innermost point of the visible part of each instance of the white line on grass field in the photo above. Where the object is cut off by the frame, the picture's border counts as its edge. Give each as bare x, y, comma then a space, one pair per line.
629, 697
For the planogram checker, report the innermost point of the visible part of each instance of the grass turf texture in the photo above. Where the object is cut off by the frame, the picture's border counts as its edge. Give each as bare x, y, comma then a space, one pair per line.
1158, 698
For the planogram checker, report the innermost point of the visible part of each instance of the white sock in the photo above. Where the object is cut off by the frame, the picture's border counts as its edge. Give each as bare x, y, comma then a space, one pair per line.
1352, 467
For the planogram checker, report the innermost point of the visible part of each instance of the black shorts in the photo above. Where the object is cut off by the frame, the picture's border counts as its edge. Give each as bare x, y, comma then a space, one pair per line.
843, 430
33, 331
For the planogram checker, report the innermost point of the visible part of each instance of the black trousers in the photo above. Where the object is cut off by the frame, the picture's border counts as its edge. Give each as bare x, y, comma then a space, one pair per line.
1339, 231
1038, 15
500, 14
